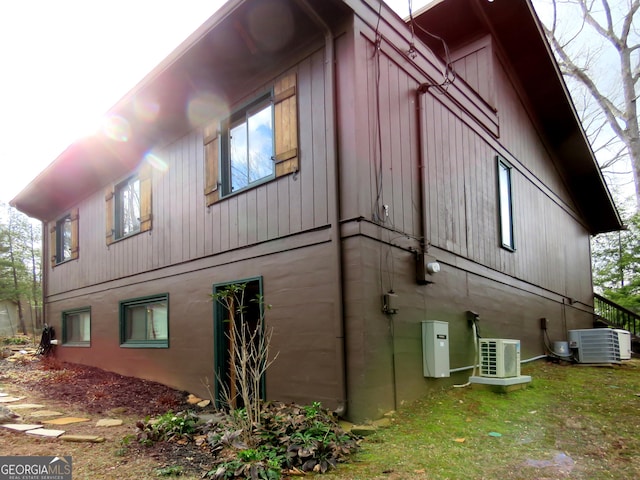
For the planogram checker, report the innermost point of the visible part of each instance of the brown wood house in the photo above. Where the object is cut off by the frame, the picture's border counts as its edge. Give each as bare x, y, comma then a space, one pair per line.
330, 155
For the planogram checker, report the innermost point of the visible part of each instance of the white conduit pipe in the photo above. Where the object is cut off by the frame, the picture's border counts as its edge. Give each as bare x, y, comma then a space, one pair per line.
475, 345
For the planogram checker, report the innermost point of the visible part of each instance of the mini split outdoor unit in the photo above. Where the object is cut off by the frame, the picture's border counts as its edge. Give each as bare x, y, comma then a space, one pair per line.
595, 345
499, 357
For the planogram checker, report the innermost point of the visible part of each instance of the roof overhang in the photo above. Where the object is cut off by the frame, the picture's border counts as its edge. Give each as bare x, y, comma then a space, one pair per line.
515, 26
232, 51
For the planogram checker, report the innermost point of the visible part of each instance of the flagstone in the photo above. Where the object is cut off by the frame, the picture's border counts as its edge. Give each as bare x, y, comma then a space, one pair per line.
82, 438
65, 420
21, 427
27, 405
109, 422
46, 432
10, 399
45, 413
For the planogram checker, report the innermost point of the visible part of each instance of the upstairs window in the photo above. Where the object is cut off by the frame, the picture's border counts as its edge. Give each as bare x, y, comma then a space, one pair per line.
128, 206
248, 146
144, 322
76, 327
256, 143
505, 200
64, 239
127, 198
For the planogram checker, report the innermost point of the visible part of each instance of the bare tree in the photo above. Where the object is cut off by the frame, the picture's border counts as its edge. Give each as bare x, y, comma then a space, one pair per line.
249, 357
583, 34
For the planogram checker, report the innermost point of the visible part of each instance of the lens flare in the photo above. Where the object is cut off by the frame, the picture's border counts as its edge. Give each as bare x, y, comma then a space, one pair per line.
206, 106
116, 128
146, 109
156, 162
271, 25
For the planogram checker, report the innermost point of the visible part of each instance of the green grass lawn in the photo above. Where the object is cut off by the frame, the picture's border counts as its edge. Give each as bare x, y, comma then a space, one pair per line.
578, 422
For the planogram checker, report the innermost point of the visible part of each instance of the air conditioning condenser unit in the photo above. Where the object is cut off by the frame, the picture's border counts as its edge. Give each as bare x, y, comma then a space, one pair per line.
595, 345
624, 342
499, 357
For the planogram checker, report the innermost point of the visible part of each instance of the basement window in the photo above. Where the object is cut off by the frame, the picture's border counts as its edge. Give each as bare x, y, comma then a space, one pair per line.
76, 327
505, 200
144, 322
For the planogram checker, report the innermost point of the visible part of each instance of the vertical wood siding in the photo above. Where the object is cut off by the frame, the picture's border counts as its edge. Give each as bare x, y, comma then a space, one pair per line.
461, 178
475, 66
520, 137
378, 147
184, 229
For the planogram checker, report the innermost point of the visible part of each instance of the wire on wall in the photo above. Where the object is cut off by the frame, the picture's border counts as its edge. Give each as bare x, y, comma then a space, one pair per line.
448, 73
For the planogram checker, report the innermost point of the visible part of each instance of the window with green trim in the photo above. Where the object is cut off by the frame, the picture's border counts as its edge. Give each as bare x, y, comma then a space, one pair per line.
76, 327
144, 322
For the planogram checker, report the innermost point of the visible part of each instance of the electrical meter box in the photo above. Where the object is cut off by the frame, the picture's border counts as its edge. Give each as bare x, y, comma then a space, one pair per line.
435, 349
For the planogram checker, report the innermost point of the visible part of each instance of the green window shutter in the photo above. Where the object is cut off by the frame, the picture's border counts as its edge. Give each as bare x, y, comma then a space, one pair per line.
108, 198
74, 234
211, 164
286, 125
52, 243
144, 175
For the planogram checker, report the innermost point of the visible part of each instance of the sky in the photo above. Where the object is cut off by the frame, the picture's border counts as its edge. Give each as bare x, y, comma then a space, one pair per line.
64, 63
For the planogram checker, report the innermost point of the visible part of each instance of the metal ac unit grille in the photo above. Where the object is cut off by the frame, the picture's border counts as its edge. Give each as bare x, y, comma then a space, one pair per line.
596, 345
499, 357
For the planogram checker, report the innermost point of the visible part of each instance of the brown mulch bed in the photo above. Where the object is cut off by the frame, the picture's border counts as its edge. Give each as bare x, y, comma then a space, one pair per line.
99, 392
96, 391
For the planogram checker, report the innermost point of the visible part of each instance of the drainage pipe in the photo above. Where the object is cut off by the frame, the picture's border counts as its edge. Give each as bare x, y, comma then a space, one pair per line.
334, 199
421, 90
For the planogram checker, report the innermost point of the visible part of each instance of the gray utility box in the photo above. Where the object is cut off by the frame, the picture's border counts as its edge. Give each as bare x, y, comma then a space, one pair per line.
435, 349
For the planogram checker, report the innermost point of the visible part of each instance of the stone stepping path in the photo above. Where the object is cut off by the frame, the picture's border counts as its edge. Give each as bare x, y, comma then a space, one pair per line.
25, 406
45, 413
109, 422
8, 399
38, 429
82, 438
45, 432
21, 427
66, 420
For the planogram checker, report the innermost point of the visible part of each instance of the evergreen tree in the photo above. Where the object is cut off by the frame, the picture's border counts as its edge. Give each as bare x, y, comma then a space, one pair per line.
616, 264
20, 261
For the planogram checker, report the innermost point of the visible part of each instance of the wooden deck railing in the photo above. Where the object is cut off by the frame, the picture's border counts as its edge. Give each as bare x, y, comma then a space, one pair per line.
615, 315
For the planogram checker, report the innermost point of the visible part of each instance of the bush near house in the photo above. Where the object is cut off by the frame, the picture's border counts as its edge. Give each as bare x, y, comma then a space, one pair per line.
289, 439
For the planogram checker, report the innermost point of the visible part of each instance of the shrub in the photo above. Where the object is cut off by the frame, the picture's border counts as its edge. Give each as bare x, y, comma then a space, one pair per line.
289, 438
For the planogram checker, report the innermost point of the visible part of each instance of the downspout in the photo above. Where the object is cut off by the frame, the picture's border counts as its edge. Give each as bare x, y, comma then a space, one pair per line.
421, 90
44, 268
334, 178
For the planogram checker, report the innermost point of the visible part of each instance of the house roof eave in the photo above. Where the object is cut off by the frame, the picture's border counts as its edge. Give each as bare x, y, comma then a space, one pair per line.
219, 58
516, 27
